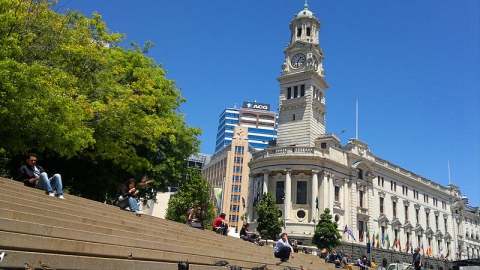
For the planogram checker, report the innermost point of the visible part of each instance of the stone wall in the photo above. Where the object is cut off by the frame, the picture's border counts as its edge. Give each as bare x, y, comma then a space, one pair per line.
385, 257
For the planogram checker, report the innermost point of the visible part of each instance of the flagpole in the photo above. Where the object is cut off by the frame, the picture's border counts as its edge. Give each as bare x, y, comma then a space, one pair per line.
356, 120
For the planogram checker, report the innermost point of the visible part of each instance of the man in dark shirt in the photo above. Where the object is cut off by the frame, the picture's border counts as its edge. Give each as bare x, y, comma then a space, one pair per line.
35, 176
417, 259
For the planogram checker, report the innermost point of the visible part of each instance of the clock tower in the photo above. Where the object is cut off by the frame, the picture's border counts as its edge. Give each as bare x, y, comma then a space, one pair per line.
302, 84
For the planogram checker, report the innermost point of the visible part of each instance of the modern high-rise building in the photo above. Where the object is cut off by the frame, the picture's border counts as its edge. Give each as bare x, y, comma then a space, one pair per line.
261, 123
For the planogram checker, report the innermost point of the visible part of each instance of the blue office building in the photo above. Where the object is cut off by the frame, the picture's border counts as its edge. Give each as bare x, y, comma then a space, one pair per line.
261, 122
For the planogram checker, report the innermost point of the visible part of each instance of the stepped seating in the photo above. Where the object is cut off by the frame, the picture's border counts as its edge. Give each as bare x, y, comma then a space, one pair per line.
77, 233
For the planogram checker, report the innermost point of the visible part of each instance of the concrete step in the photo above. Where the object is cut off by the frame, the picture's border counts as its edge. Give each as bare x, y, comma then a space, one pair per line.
86, 228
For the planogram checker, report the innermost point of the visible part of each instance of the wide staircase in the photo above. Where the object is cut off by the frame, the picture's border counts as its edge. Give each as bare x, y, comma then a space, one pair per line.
77, 233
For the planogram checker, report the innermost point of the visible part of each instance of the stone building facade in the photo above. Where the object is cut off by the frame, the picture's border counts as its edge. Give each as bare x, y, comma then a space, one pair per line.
308, 170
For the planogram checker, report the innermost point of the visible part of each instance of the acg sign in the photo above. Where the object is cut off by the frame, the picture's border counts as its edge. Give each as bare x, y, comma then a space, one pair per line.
256, 106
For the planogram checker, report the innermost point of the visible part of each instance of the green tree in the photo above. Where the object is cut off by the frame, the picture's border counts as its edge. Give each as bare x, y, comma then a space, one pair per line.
326, 233
194, 190
94, 111
269, 225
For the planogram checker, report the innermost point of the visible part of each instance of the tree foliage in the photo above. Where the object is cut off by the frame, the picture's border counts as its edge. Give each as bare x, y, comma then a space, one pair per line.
326, 233
269, 225
195, 190
94, 111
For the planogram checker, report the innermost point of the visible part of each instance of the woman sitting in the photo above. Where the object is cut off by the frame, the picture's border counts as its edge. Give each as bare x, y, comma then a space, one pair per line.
247, 235
126, 197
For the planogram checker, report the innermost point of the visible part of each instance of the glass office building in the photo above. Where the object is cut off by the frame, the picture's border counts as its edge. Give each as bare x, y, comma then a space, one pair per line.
261, 123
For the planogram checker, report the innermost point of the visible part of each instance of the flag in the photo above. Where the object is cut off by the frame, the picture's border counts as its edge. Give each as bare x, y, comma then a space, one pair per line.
440, 252
378, 240
411, 248
383, 240
407, 247
388, 241
368, 236
350, 232
448, 254
399, 246
360, 236
428, 250
423, 250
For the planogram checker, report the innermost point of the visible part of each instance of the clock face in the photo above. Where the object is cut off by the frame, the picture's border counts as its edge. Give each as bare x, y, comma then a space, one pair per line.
315, 63
298, 60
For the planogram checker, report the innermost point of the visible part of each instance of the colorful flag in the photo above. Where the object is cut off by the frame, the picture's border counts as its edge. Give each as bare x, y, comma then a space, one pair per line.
399, 246
428, 250
407, 247
411, 248
423, 250
448, 254
350, 232
378, 240
383, 240
368, 236
440, 252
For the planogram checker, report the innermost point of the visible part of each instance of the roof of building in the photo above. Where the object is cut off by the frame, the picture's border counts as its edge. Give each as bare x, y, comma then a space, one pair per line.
305, 13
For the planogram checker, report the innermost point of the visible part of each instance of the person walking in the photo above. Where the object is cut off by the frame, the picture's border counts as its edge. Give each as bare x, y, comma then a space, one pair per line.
417, 259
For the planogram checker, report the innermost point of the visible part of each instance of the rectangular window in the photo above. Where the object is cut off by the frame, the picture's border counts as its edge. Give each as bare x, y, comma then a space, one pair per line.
308, 31
299, 31
237, 179
445, 224
427, 217
238, 160
337, 194
323, 145
360, 198
279, 192
295, 91
302, 90
394, 206
360, 174
289, 93
381, 205
234, 208
417, 216
406, 212
436, 223
236, 188
235, 198
380, 181
394, 186
233, 218
301, 192
237, 169
239, 150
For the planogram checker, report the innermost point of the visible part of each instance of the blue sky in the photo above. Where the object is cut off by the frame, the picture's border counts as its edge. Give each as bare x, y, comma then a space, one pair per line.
413, 66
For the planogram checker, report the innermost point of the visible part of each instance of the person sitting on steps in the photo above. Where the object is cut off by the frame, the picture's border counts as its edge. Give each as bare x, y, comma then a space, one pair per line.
126, 197
283, 249
220, 225
191, 220
35, 176
247, 235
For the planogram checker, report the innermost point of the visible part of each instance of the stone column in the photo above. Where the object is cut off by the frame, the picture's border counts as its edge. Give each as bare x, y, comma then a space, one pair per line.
251, 195
265, 181
314, 195
288, 194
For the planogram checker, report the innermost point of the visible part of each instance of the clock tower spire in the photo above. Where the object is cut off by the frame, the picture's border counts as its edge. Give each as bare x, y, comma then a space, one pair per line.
302, 84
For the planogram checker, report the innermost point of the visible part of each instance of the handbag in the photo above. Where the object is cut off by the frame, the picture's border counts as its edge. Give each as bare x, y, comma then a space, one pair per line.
121, 198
